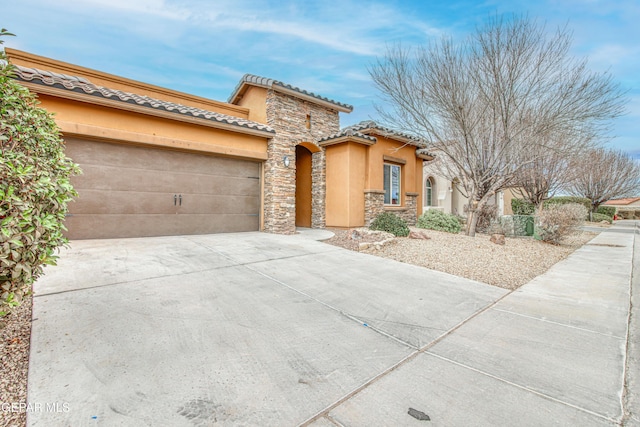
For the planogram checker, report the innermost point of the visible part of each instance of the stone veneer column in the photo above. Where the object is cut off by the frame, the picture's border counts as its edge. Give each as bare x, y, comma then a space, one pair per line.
410, 215
318, 190
287, 115
373, 205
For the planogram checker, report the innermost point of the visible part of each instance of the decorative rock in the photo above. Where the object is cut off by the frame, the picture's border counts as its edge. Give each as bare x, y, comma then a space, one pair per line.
419, 235
363, 246
498, 239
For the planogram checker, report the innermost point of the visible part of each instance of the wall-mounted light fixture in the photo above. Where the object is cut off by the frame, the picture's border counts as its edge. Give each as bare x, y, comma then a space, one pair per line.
286, 161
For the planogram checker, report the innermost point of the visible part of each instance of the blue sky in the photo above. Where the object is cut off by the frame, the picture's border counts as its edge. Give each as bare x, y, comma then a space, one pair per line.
204, 47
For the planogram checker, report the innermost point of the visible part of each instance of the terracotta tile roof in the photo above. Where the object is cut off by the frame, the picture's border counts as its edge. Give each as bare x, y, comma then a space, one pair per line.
347, 132
370, 127
622, 202
363, 130
252, 80
82, 85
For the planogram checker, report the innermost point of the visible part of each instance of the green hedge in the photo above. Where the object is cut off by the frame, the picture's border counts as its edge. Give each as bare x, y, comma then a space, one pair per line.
609, 211
598, 217
391, 223
523, 207
434, 219
563, 200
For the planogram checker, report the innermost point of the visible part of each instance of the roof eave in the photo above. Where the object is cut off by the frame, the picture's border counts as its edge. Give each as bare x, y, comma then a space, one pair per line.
346, 138
42, 88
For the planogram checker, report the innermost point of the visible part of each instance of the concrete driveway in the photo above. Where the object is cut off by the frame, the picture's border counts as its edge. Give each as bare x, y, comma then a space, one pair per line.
259, 329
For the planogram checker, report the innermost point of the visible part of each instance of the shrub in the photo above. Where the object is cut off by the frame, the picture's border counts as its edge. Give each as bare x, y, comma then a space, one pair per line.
558, 221
434, 219
487, 217
34, 189
517, 225
563, 200
597, 217
391, 223
609, 211
522, 207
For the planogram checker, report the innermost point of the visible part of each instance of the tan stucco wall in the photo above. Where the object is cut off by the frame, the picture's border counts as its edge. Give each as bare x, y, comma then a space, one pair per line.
357, 177
411, 179
337, 203
255, 100
507, 196
84, 119
111, 81
353, 167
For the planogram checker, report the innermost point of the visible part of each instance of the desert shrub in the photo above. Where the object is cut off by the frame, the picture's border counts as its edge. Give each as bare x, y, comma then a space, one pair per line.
34, 189
597, 217
557, 221
487, 218
522, 207
391, 223
609, 211
434, 219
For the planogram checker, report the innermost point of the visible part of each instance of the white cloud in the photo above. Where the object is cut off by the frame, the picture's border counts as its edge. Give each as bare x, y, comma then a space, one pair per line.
158, 8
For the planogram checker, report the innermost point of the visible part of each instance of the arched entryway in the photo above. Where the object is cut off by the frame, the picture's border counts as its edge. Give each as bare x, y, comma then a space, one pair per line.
303, 186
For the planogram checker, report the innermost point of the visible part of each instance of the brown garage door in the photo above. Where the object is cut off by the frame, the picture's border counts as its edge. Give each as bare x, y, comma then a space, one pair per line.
129, 191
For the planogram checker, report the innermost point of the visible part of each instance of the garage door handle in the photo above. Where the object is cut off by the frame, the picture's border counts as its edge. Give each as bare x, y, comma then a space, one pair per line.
180, 198
175, 199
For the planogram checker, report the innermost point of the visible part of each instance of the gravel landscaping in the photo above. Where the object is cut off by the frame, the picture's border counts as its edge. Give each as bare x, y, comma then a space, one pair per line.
15, 333
508, 266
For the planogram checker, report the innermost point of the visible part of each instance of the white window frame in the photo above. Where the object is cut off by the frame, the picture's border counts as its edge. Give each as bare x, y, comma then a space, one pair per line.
390, 185
428, 192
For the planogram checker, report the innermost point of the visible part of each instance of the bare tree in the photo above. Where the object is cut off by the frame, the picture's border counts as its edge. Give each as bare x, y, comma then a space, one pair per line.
603, 174
487, 103
547, 169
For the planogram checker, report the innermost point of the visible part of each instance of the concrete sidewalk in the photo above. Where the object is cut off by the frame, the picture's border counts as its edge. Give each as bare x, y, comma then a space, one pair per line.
258, 329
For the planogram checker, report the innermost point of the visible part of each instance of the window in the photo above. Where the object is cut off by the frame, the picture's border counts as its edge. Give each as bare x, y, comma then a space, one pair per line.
428, 193
391, 184
307, 121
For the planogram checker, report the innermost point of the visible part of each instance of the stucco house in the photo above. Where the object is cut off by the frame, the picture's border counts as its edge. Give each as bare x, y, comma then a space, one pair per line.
628, 208
446, 194
160, 162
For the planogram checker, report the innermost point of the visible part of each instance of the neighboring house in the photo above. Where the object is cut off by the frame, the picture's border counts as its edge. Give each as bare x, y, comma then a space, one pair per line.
448, 195
161, 162
628, 208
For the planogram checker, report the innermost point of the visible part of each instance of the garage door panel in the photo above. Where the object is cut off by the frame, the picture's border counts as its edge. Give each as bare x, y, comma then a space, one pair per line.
119, 202
136, 202
114, 226
216, 204
96, 177
134, 157
128, 191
